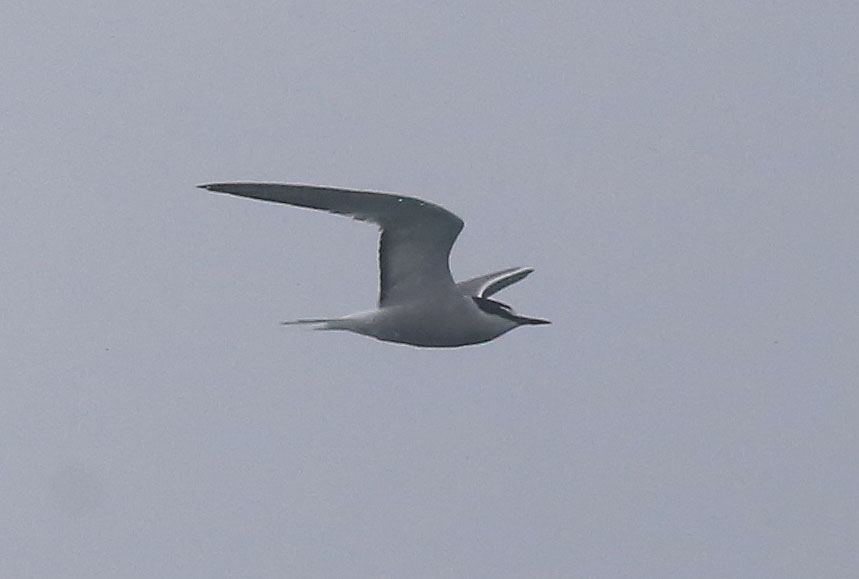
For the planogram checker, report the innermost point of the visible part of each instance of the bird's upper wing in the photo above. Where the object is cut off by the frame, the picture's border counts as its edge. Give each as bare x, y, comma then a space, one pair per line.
486, 285
416, 235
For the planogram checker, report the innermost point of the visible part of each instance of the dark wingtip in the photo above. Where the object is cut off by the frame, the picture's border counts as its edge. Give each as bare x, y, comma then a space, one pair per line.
217, 187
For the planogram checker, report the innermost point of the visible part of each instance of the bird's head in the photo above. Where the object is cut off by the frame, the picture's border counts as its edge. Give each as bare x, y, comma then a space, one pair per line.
502, 310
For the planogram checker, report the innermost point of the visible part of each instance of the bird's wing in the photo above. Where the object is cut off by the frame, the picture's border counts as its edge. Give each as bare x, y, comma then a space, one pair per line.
416, 235
491, 283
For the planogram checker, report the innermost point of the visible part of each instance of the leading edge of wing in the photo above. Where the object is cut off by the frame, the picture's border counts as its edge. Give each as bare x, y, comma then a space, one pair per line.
384, 209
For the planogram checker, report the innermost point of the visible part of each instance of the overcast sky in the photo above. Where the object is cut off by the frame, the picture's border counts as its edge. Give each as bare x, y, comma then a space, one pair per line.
682, 175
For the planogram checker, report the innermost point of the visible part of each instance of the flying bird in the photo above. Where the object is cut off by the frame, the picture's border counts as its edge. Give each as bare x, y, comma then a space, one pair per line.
419, 303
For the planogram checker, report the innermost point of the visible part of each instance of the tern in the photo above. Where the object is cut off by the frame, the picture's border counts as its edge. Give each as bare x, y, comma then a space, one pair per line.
419, 302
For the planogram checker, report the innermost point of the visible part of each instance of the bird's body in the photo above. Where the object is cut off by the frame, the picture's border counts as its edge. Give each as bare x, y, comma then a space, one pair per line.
428, 323
419, 303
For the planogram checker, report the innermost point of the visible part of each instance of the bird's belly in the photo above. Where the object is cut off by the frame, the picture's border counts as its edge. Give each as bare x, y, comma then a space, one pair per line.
437, 325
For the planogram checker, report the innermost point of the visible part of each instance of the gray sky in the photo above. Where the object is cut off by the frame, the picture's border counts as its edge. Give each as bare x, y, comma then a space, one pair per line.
683, 176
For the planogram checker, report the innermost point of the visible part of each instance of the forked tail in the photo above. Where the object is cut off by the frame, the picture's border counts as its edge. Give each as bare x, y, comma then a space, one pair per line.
310, 321
320, 323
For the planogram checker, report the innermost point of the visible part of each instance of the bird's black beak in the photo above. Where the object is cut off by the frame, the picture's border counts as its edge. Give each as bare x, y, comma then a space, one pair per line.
531, 321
